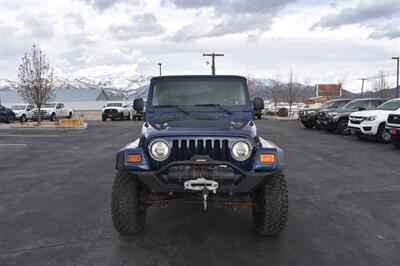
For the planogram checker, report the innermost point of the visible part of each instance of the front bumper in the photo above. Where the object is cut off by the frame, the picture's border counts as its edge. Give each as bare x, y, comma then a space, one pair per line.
366, 129
308, 119
328, 123
394, 132
233, 182
112, 115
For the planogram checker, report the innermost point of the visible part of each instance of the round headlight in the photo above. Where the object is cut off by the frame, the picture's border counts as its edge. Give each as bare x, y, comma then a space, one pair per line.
159, 150
241, 150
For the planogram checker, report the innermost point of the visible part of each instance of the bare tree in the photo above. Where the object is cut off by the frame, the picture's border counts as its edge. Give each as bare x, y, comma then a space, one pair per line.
381, 84
342, 80
275, 93
35, 79
303, 90
292, 90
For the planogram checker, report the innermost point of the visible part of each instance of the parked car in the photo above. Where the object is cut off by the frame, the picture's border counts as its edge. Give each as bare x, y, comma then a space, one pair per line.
371, 123
308, 117
393, 127
337, 119
199, 143
116, 110
23, 112
6, 115
53, 111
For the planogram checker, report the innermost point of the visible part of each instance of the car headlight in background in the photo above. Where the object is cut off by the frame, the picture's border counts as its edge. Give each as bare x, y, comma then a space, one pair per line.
311, 112
369, 118
241, 150
159, 149
332, 114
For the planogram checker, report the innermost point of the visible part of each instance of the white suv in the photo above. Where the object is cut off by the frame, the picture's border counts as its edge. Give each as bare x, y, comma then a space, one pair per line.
23, 112
371, 124
393, 127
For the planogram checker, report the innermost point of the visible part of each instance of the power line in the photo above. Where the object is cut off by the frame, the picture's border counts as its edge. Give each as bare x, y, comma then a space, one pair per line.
213, 55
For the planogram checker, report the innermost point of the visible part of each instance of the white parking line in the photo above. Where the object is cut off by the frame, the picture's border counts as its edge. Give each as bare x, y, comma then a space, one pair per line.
13, 144
35, 136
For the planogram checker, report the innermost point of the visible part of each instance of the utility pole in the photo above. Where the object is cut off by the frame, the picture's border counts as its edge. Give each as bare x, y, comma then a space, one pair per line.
397, 76
362, 86
159, 66
213, 55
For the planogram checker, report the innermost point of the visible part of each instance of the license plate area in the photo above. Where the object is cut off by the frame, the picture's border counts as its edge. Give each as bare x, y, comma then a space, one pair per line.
393, 131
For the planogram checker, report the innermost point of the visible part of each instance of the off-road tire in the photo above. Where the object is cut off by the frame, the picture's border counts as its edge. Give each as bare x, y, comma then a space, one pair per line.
380, 134
342, 126
128, 215
10, 119
396, 143
308, 126
103, 118
53, 117
271, 213
22, 119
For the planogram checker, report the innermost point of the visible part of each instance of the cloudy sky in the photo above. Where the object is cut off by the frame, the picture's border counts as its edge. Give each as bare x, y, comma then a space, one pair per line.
321, 41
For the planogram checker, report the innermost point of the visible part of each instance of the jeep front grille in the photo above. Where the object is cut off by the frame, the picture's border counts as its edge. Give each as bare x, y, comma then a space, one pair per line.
217, 149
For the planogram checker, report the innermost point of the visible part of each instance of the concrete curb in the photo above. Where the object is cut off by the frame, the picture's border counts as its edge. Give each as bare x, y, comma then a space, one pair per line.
76, 128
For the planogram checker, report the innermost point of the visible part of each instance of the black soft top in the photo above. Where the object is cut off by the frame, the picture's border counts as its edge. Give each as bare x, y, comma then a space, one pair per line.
188, 77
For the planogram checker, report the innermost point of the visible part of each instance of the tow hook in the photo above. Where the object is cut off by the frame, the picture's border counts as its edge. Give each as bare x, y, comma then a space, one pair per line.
205, 196
203, 185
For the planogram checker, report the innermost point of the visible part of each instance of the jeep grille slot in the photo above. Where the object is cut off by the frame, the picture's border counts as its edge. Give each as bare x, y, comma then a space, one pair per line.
185, 149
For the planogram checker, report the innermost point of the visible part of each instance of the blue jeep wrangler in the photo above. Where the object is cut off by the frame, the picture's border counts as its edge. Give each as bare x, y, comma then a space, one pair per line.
199, 144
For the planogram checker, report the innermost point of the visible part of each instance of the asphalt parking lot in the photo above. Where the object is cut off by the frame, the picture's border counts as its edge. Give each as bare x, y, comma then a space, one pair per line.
55, 192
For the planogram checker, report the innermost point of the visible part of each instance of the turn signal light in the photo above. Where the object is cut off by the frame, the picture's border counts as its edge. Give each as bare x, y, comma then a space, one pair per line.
267, 158
133, 158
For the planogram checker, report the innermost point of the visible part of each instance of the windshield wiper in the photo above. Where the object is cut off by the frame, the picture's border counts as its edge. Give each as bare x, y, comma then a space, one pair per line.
172, 106
216, 105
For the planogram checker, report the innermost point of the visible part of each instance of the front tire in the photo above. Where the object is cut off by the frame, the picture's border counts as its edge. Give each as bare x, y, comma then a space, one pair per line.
69, 115
128, 215
382, 135
53, 117
23, 118
271, 213
342, 127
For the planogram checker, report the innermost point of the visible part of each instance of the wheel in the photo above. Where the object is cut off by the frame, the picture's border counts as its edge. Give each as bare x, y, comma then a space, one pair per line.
128, 215
382, 135
396, 143
22, 118
69, 115
103, 118
53, 117
129, 116
271, 213
122, 117
258, 116
308, 126
10, 119
342, 127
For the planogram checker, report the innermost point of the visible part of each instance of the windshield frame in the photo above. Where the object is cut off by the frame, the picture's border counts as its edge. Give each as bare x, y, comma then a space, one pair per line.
246, 105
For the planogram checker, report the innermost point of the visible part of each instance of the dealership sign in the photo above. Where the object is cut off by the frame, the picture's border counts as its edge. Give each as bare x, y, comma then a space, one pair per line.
328, 90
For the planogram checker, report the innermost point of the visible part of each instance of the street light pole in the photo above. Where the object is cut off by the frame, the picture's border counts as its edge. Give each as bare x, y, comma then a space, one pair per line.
159, 66
397, 76
362, 86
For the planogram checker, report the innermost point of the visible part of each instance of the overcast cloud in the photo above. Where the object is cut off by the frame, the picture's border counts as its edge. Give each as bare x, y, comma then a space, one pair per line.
260, 38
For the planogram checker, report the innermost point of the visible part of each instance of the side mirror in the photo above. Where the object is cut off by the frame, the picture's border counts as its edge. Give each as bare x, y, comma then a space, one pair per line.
362, 109
104, 106
258, 104
138, 105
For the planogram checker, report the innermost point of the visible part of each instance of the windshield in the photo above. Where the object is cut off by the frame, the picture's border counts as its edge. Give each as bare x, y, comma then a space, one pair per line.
390, 105
353, 104
114, 104
199, 92
49, 105
18, 107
